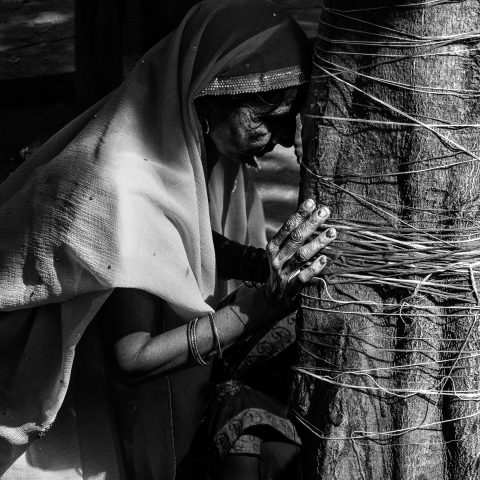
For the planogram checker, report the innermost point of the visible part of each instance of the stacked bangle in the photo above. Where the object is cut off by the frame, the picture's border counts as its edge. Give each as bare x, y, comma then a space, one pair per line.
192, 342
192, 339
215, 336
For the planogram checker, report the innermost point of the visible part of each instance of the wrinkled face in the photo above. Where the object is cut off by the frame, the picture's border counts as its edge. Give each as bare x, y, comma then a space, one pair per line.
254, 130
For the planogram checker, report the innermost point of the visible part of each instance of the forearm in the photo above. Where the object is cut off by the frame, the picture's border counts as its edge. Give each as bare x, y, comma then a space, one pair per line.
246, 311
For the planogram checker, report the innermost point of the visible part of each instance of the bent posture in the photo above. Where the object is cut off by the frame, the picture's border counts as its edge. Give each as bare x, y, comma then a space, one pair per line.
115, 215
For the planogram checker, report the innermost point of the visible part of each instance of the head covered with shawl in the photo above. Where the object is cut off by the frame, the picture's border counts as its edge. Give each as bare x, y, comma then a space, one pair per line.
118, 198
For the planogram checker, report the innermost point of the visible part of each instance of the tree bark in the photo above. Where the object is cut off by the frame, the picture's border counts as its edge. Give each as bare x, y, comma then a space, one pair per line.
398, 364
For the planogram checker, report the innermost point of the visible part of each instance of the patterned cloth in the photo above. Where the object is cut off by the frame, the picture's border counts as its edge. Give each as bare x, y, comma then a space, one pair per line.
239, 409
239, 418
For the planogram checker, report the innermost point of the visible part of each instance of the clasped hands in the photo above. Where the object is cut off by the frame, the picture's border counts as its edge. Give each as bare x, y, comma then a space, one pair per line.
293, 258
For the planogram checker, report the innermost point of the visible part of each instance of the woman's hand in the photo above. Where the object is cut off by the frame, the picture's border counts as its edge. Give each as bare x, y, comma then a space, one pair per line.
292, 261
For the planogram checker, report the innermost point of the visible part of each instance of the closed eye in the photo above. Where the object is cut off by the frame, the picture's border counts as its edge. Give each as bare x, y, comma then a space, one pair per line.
278, 118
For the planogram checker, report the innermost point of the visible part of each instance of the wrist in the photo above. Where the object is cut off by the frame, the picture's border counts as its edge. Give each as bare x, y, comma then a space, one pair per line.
249, 309
278, 306
265, 308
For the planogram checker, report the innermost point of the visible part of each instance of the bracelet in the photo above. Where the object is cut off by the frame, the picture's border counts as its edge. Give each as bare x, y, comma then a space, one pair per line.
215, 335
192, 342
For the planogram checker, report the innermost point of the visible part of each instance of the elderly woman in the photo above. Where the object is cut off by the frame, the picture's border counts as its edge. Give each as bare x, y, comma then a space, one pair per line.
113, 217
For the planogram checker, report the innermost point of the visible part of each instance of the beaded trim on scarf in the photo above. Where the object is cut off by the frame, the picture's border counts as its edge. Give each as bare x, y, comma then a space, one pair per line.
255, 82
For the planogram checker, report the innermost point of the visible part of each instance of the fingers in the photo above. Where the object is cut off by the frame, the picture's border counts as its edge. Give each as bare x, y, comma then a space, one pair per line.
304, 276
309, 250
292, 264
293, 222
301, 233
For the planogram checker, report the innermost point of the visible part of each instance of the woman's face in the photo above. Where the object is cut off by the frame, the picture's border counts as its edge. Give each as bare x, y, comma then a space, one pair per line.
254, 130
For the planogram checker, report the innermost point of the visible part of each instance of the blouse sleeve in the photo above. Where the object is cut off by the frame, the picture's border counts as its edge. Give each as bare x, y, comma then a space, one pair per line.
240, 262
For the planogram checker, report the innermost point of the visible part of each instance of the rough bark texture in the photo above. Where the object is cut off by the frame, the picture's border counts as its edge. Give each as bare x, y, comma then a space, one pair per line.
355, 336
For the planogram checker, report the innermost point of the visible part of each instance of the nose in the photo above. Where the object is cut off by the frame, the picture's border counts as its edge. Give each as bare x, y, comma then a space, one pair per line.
283, 133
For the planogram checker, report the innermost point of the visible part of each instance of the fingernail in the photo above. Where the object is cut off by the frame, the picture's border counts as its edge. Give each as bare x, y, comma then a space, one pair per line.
330, 233
323, 212
322, 259
309, 203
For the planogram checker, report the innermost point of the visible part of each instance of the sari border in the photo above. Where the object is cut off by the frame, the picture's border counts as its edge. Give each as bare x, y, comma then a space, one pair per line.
255, 82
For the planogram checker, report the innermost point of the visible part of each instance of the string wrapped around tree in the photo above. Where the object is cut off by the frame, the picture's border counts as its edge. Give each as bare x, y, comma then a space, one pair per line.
387, 380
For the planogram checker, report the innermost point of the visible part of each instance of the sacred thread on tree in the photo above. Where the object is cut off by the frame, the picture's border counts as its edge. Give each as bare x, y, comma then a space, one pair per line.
387, 379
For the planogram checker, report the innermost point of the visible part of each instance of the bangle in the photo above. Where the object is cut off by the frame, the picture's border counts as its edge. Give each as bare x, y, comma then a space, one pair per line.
215, 335
192, 342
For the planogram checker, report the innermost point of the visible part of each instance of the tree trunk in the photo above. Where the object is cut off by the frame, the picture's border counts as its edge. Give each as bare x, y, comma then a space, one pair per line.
387, 376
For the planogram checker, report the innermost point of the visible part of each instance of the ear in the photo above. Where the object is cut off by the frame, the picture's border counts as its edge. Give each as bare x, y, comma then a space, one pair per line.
201, 107
213, 109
